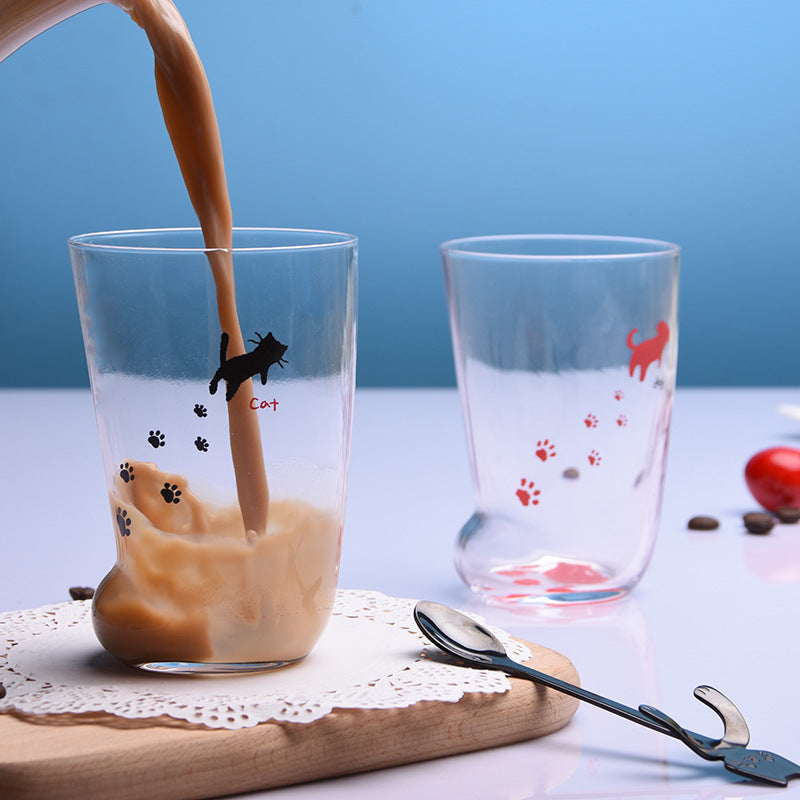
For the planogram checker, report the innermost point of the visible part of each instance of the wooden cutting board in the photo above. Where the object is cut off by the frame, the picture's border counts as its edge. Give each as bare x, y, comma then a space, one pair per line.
108, 757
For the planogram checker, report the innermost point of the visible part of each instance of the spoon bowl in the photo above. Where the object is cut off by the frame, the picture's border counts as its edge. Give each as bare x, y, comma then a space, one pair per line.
458, 634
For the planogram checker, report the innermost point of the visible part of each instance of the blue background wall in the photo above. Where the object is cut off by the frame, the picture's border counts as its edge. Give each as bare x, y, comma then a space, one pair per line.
410, 122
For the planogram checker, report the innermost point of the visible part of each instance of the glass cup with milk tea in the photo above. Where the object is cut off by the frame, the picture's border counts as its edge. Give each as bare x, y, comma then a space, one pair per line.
566, 352
222, 365
226, 461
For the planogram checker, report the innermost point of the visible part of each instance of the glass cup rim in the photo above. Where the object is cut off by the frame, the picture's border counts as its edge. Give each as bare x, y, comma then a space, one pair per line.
639, 247
116, 240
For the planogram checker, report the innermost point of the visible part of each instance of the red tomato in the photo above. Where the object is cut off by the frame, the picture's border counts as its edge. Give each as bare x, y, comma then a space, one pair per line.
773, 477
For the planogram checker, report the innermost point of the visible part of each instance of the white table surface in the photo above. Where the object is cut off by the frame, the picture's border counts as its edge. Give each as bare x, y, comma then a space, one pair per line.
720, 608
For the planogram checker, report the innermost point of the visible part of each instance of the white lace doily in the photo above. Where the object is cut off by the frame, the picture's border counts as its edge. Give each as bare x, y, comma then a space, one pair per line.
371, 656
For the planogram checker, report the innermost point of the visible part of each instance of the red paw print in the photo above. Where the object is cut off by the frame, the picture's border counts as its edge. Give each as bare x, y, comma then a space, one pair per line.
590, 421
545, 450
619, 394
594, 458
622, 420
528, 496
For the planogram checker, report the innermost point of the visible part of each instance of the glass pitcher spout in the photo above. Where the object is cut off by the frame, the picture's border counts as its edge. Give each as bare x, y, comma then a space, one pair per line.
22, 20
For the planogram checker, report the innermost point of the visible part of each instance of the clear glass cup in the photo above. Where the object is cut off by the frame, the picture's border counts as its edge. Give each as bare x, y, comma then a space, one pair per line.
226, 462
566, 352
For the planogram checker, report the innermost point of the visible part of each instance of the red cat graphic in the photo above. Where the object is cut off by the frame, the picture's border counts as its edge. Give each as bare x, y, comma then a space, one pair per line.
648, 350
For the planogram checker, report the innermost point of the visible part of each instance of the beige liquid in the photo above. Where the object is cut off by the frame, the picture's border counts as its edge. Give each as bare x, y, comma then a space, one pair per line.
193, 582
189, 586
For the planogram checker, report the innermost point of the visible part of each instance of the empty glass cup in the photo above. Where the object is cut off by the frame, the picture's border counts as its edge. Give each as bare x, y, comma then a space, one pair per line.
565, 351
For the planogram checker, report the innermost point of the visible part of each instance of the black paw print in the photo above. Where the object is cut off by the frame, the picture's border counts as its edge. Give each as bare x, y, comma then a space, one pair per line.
171, 493
126, 472
156, 438
201, 444
200, 410
123, 522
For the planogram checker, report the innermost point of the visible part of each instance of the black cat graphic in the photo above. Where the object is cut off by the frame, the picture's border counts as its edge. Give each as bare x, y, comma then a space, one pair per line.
235, 371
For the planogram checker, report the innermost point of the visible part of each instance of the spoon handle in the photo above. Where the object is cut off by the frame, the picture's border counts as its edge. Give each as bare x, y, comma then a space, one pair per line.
520, 670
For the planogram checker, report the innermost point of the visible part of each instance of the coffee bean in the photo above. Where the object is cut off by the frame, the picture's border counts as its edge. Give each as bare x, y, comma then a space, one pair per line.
571, 473
81, 592
788, 514
2, 691
703, 523
758, 522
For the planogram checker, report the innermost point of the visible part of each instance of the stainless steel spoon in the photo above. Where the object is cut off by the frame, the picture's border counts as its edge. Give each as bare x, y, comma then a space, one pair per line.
472, 643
